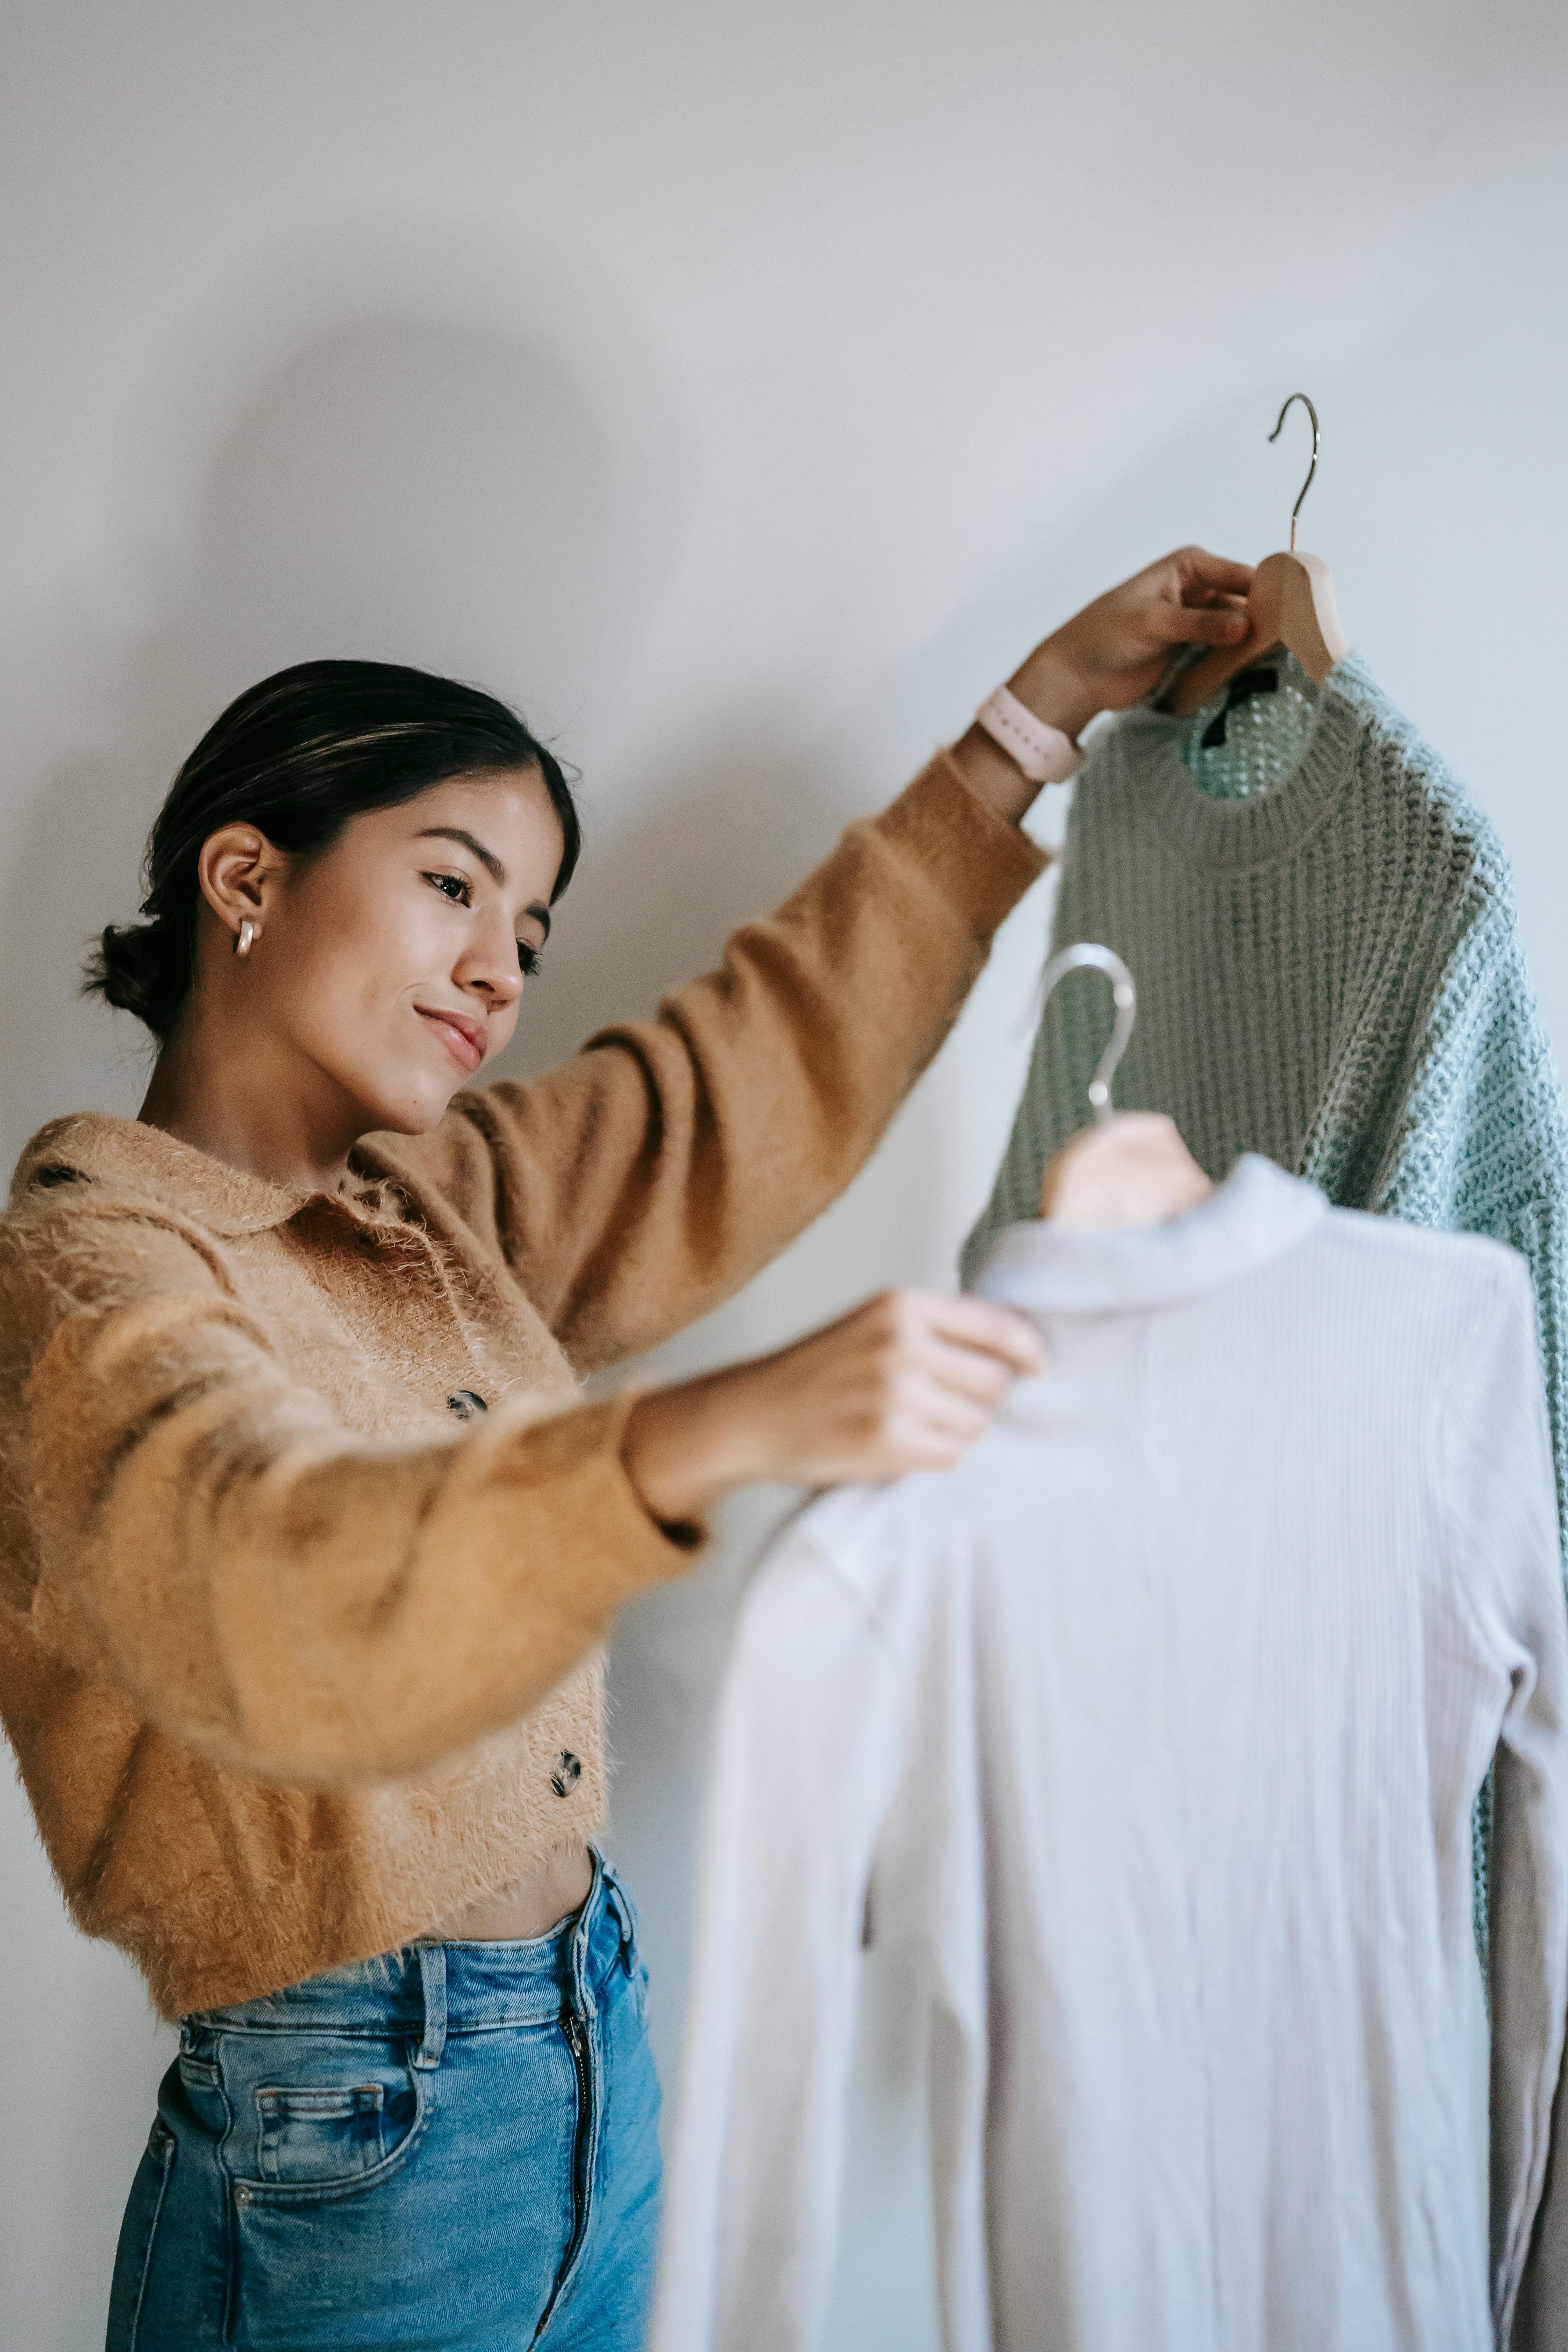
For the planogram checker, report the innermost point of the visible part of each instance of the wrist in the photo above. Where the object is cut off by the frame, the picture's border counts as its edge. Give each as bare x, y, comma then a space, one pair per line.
992, 775
1051, 684
684, 1448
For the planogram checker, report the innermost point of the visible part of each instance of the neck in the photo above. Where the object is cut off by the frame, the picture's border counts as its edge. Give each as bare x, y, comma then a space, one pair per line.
234, 1100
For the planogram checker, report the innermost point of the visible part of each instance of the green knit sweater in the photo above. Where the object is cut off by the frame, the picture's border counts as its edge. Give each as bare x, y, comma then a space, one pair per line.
1329, 972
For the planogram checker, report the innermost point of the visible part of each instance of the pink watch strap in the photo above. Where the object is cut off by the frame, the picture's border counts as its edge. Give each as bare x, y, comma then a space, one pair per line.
1044, 754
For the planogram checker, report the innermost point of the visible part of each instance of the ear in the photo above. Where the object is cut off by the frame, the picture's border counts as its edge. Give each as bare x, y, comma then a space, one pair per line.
240, 874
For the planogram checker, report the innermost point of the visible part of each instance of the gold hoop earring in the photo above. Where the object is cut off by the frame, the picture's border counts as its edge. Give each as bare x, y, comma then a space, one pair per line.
245, 938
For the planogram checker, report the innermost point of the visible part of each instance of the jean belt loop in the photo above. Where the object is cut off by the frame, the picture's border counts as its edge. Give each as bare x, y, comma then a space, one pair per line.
582, 2000
433, 1984
620, 1905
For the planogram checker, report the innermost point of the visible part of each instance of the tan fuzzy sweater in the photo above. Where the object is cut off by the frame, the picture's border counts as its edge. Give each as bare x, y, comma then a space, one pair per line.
295, 1660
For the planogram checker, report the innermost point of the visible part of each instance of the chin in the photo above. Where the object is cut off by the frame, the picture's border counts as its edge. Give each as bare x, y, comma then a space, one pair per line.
416, 1118
412, 1109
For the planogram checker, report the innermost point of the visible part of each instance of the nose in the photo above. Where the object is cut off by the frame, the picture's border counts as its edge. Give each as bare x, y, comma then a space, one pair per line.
488, 966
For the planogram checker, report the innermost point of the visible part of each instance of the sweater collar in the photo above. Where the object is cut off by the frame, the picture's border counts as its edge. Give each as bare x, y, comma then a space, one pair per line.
133, 1157
1236, 835
1255, 1216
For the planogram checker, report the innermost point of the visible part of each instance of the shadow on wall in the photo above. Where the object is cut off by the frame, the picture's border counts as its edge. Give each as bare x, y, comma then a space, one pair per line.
419, 491
399, 489
406, 491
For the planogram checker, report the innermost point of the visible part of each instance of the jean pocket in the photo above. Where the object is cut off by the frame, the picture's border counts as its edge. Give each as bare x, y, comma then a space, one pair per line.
306, 2134
320, 2140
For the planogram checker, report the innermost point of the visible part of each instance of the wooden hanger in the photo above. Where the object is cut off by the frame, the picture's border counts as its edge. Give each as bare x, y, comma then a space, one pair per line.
1130, 1168
1290, 603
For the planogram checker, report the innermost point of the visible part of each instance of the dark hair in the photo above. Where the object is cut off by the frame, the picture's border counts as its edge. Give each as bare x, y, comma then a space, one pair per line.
296, 757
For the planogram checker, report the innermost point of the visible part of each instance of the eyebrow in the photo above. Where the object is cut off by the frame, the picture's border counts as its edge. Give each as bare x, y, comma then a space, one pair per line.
486, 859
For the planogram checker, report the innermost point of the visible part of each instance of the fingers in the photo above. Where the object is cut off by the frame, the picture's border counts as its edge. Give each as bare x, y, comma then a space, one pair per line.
972, 1374
927, 1407
956, 1359
1180, 624
907, 1381
931, 1426
926, 1426
977, 1325
1197, 569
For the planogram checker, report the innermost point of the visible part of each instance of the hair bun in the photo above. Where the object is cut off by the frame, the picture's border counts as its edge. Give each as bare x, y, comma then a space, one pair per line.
144, 967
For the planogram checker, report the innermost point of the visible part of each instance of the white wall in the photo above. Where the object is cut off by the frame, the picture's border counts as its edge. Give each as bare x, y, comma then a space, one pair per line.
742, 388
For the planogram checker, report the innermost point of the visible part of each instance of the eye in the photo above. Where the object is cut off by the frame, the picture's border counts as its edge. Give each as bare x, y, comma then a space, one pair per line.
454, 886
528, 958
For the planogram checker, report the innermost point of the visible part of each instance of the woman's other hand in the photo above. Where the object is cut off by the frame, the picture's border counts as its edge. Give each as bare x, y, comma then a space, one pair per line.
1108, 654
907, 1381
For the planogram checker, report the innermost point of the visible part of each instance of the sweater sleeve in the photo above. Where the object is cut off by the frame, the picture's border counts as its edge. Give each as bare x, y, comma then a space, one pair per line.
636, 1185
1497, 1467
1481, 1139
1538, 1230
283, 1596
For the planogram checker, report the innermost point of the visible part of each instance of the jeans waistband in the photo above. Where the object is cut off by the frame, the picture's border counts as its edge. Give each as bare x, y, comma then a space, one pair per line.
431, 1990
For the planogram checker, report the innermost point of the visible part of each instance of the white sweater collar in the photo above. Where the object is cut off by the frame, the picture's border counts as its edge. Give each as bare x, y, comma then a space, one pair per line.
1256, 1214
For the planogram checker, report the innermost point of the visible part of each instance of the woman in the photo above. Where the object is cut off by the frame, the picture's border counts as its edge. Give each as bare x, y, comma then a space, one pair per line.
310, 1544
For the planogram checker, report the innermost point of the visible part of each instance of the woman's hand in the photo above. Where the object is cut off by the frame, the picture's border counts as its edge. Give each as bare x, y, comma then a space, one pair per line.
906, 1382
1108, 654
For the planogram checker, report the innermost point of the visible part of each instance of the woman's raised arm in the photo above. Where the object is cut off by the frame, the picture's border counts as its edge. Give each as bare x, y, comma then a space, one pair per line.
635, 1186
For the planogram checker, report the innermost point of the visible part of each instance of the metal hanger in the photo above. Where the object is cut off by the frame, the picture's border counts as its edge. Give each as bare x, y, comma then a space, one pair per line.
1089, 956
1127, 1167
1290, 603
1296, 509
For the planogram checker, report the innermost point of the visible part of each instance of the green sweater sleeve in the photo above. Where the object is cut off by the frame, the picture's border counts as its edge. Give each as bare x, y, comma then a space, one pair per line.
1482, 1143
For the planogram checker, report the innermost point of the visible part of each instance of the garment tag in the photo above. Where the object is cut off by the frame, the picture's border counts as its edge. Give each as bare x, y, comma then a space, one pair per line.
1243, 687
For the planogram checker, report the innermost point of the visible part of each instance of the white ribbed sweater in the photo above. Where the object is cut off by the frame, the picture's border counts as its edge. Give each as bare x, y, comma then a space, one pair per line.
1153, 1734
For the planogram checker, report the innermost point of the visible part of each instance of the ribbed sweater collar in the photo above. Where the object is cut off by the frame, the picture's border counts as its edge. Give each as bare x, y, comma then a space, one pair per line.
1236, 835
1254, 1217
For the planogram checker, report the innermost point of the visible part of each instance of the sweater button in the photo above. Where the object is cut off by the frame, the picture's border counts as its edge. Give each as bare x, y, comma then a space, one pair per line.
567, 1773
466, 1404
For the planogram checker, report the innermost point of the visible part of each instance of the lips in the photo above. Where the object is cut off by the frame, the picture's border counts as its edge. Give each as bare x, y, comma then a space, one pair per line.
463, 1035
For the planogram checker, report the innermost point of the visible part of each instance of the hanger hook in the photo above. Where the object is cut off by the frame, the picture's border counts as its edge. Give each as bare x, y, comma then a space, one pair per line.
1312, 468
1088, 955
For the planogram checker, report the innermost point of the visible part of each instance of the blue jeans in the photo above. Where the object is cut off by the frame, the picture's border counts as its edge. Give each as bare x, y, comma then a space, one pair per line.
454, 2145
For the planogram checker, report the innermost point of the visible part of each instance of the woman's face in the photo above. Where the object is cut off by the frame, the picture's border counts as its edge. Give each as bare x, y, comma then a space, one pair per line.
389, 967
